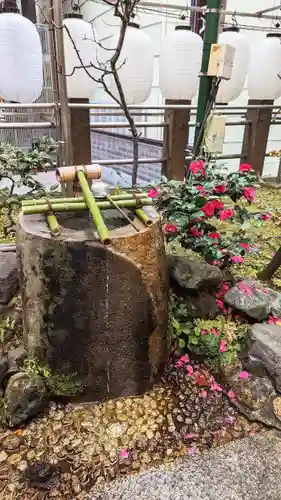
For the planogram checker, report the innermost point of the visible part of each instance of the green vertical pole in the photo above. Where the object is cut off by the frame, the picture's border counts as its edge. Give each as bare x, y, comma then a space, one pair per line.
210, 36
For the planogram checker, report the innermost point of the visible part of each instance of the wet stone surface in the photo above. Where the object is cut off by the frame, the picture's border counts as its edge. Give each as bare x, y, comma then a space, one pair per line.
74, 447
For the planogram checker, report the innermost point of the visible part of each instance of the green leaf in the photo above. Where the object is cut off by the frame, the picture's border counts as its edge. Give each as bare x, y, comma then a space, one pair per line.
181, 343
200, 201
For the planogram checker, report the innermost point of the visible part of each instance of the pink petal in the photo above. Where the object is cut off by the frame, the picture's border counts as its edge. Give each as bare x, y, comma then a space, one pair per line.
184, 359
231, 394
216, 387
203, 394
222, 346
190, 435
123, 453
179, 364
191, 451
189, 369
244, 375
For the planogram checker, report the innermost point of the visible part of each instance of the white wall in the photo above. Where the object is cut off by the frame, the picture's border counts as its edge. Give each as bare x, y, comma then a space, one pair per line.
157, 26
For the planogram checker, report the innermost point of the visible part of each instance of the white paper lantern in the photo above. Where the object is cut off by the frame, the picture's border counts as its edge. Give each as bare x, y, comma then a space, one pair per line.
263, 80
136, 65
21, 75
79, 83
180, 63
229, 90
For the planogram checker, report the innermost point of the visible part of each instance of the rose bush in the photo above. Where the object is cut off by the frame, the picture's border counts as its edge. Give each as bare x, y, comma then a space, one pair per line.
190, 207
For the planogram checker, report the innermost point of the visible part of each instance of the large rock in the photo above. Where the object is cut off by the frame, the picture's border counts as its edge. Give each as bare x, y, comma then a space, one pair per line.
8, 276
193, 275
97, 311
264, 349
253, 299
254, 396
24, 397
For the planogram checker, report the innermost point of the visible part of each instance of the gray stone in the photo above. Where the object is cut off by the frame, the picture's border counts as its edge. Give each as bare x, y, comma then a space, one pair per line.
24, 397
193, 275
253, 299
16, 358
254, 396
264, 344
8, 276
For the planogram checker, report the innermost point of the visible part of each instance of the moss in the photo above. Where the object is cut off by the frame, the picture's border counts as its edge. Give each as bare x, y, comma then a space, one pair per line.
57, 384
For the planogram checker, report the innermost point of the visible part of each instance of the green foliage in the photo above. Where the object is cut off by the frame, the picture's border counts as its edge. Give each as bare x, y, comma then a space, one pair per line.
218, 341
19, 167
57, 384
6, 325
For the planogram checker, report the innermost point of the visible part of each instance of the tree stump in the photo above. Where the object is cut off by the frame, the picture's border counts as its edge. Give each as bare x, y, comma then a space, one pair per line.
100, 312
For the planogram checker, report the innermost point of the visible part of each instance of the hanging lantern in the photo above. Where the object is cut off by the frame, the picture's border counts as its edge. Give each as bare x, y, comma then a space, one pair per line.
21, 76
136, 65
180, 63
229, 90
263, 80
79, 83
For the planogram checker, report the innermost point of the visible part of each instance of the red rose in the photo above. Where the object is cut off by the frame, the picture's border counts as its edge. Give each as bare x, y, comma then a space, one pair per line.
249, 193
214, 236
244, 245
209, 209
218, 205
195, 232
170, 228
226, 214
201, 189
197, 167
245, 167
220, 189
265, 217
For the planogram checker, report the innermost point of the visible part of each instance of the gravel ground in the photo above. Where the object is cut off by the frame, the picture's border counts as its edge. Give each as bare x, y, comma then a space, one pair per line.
248, 469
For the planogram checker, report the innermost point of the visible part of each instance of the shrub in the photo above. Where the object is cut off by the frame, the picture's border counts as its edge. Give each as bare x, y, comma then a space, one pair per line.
19, 168
189, 209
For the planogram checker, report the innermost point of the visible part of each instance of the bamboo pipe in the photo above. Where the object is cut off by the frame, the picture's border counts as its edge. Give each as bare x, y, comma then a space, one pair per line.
143, 217
66, 174
115, 197
93, 208
53, 224
72, 207
114, 204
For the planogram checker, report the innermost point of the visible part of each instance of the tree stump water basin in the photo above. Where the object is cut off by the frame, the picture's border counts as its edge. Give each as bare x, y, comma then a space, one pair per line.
98, 311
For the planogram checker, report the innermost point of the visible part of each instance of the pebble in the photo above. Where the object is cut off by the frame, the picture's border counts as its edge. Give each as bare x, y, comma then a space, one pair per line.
3, 456
11, 442
14, 459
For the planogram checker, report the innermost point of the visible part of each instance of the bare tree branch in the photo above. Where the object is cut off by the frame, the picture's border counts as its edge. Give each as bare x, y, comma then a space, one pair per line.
124, 10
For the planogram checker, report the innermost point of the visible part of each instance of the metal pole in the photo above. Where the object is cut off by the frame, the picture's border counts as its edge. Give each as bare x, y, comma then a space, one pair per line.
270, 9
62, 89
211, 35
204, 10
